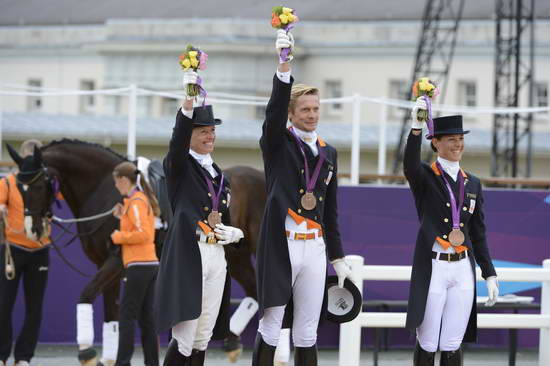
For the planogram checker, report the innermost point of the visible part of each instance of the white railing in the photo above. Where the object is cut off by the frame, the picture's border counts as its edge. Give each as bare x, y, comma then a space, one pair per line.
350, 333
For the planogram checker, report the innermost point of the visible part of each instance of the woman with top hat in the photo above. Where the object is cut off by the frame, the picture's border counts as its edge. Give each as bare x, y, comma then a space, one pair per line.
136, 237
451, 239
193, 287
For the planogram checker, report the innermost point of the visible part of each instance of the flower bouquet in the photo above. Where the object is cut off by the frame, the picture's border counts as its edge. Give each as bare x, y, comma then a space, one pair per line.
283, 18
194, 59
424, 87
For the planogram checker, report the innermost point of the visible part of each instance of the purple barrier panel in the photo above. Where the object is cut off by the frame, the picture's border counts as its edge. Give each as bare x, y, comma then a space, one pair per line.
379, 223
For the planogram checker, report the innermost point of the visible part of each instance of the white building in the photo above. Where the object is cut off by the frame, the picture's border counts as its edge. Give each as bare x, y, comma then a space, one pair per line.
344, 48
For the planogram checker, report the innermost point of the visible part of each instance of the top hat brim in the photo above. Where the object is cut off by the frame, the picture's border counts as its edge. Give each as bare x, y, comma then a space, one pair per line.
350, 290
215, 122
453, 131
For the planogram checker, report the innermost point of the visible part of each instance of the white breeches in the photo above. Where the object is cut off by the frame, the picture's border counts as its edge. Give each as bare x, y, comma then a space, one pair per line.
448, 307
308, 263
196, 333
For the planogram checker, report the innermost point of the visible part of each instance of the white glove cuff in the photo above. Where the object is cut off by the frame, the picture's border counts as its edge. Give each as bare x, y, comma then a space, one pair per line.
417, 125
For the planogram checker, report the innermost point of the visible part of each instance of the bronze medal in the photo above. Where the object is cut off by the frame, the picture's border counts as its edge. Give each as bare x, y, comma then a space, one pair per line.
456, 237
214, 218
309, 201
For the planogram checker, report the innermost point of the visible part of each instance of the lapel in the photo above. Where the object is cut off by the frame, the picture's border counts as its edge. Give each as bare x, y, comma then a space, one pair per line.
443, 186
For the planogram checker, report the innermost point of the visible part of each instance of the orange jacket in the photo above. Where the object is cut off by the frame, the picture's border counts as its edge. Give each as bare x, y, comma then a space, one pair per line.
15, 230
137, 230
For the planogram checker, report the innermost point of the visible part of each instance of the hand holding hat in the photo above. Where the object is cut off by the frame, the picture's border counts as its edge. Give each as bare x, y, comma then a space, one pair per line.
342, 270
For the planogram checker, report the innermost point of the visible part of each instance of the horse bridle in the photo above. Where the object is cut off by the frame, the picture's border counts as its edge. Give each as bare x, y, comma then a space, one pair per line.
50, 182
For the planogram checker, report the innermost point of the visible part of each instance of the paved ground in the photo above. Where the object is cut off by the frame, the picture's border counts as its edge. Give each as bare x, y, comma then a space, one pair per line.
48, 355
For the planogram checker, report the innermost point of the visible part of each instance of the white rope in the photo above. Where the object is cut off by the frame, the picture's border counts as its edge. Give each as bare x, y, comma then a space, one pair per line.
83, 219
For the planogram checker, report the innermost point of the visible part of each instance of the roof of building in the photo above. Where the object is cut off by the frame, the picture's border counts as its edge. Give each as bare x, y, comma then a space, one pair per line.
235, 132
56, 12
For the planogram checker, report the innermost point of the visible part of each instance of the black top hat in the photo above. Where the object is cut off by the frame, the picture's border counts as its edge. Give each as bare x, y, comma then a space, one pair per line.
204, 116
448, 125
343, 304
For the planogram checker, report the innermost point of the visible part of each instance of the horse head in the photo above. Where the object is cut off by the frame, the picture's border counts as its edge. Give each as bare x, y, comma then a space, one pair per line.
37, 190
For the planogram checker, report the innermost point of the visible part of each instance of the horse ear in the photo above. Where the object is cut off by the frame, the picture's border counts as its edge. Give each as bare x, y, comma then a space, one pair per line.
37, 155
14, 155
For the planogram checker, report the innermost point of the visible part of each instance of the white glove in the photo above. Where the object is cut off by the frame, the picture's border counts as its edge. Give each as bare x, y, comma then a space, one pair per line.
228, 234
420, 105
189, 77
342, 269
284, 40
492, 290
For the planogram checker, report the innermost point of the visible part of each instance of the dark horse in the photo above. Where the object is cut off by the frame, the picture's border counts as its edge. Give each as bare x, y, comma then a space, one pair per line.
82, 172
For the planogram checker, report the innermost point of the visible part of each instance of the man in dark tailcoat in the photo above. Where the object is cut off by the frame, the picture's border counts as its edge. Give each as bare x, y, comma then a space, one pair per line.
300, 227
451, 238
192, 293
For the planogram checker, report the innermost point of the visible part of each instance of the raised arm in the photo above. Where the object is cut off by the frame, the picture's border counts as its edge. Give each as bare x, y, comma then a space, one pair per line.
276, 114
412, 165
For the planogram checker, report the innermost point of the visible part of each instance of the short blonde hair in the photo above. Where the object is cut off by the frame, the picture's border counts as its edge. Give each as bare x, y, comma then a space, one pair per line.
297, 91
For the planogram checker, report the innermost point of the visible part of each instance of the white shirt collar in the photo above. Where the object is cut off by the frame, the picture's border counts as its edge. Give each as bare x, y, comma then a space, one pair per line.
204, 160
450, 167
307, 137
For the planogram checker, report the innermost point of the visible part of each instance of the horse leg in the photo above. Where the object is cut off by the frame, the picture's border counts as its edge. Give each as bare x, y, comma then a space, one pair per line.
107, 275
110, 324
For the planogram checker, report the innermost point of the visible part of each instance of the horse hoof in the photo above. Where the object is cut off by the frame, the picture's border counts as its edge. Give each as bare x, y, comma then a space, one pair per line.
88, 357
233, 356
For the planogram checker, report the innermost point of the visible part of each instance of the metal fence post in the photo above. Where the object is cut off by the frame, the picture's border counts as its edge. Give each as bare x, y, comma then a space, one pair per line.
132, 121
355, 140
544, 339
349, 353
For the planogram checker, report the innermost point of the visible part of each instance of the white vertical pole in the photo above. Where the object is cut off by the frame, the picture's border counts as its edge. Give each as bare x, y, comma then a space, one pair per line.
350, 333
544, 339
355, 139
132, 116
382, 141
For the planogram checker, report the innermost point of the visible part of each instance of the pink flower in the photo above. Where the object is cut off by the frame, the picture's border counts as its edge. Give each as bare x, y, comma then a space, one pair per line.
202, 60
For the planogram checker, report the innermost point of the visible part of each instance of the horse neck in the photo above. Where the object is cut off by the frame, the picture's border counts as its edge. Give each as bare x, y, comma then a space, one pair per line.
80, 172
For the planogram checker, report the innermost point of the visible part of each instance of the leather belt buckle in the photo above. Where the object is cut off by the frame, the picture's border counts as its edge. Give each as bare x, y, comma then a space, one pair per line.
211, 239
300, 236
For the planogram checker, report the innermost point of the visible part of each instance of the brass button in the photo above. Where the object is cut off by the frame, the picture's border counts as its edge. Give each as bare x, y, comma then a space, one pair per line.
464, 208
315, 217
206, 221
221, 213
444, 236
461, 224
205, 208
302, 171
446, 219
299, 210
448, 204
301, 190
224, 202
320, 198
209, 194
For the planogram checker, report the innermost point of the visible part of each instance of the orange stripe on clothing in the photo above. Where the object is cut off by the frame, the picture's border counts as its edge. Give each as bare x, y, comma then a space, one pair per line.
204, 227
445, 244
299, 219
437, 172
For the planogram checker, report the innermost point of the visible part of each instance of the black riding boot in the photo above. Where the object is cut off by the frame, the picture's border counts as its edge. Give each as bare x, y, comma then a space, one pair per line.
423, 358
196, 358
305, 356
263, 353
173, 356
451, 358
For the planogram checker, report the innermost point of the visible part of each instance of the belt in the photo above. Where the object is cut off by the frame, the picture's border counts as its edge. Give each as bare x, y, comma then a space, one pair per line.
203, 238
450, 257
303, 236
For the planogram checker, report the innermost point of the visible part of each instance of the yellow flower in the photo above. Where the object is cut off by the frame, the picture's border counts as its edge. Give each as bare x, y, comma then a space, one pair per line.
425, 85
287, 10
186, 63
193, 53
284, 18
291, 18
194, 62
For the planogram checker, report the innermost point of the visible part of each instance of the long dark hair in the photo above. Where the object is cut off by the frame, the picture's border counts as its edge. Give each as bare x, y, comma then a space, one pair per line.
130, 171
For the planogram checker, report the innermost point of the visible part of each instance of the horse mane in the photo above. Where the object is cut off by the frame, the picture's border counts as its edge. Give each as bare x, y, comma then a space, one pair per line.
66, 141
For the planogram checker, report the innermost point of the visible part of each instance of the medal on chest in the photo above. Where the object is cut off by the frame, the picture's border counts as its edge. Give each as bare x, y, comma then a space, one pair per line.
308, 200
456, 236
214, 217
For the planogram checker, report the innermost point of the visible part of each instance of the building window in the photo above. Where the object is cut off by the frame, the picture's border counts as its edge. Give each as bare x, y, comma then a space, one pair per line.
87, 102
541, 94
34, 103
467, 93
334, 90
169, 106
397, 90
